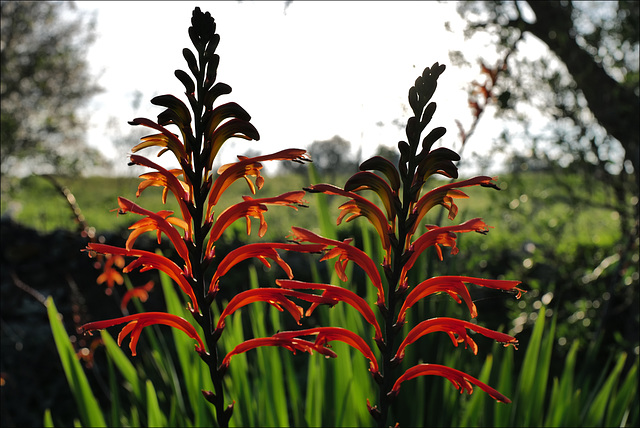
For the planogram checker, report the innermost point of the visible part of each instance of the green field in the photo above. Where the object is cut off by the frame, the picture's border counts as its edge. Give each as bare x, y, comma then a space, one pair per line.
557, 234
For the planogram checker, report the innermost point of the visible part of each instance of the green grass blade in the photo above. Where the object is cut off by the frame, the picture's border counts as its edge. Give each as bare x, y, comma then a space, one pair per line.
529, 375
123, 364
155, 417
114, 387
326, 220
47, 420
596, 413
473, 414
501, 411
562, 395
542, 374
624, 396
90, 412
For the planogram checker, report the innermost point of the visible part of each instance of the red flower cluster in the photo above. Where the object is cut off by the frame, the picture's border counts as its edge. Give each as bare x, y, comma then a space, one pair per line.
203, 129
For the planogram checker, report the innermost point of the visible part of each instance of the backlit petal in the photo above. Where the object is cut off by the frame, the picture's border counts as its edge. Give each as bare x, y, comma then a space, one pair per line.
139, 321
461, 380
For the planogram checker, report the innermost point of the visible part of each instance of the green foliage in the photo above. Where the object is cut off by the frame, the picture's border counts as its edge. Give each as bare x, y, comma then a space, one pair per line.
45, 82
603, 398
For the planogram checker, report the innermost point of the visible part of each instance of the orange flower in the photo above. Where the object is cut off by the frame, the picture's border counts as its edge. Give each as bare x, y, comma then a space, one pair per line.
110, 275
461, 380
454, 286
344, 252
149, 260
160, 222
457, 331
444, 195
261, 251
246, 167
365, 180
359, 206
328, 334
292, 344
169, 181
250, 208
166, 139
437, 236
338, 294
137, 322
276, 297
141, 293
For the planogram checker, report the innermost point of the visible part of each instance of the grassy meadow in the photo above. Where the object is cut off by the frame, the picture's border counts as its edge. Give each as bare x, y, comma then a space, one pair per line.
544, 234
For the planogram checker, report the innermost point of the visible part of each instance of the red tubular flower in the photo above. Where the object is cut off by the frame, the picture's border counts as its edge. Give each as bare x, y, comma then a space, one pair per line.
141, 293
344, 252
457, 331
338, 294
238, 128
440, 236
359, 206
461, 380
150, 260
328, 334
276, 297
365, 180
454, 286
110, 275
247, 209
444, 195
169, 181
137, 322
261, 251
160, 222
292, 344
248, 167
166, 139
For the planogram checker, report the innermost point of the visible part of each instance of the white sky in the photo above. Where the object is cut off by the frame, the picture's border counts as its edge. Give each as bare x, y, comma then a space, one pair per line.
317, 70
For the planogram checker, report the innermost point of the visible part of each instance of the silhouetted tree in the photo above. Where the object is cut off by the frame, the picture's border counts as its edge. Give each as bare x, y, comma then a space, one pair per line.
331, 158
45, 81
585, 85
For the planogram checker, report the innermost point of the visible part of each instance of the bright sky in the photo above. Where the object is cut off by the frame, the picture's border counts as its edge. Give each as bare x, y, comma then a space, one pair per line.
316, 70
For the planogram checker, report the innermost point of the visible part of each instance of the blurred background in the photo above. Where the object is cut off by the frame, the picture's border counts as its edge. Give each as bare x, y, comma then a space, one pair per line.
542, 95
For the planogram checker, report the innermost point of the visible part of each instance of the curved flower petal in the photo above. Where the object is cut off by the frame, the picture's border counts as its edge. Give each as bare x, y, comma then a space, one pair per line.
461, 380
275, 297
166, 139
457, 331
440, 236
440, 195
378, 163
137, 322
229, 173
168, 180
328, 334
157, 221
359, 206
237, 128
365, 180
338, 294
345, 252
250, 208
454, 286
292, 344
150, 260
141, 293
262, 251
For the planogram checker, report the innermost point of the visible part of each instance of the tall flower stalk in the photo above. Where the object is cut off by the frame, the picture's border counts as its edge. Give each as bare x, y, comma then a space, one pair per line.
404, 238
203, 127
